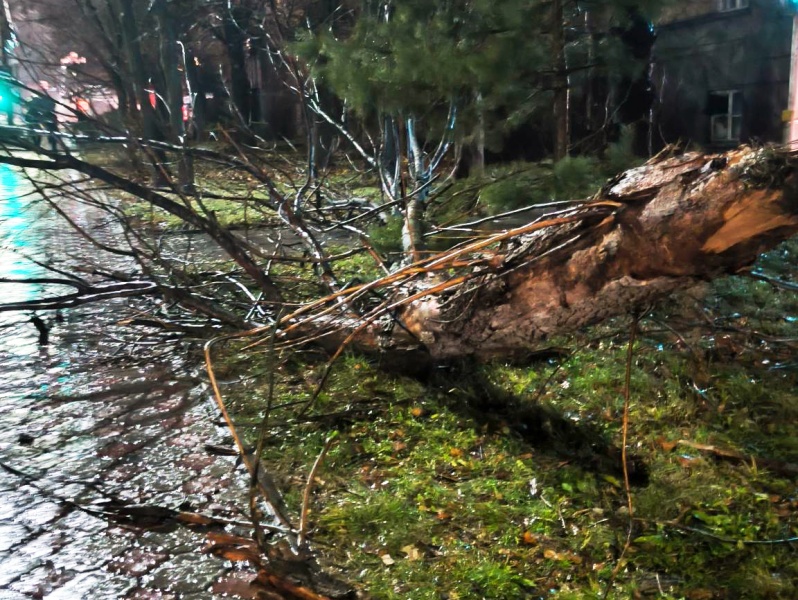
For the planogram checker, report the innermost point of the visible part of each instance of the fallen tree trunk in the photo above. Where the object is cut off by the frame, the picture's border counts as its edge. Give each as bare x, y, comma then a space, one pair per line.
649, 232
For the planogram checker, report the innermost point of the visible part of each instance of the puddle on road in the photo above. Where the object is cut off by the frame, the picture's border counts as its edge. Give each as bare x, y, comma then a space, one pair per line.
84, 428
139, 441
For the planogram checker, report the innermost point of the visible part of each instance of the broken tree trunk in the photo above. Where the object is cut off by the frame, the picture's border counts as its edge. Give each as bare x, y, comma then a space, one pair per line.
649, 232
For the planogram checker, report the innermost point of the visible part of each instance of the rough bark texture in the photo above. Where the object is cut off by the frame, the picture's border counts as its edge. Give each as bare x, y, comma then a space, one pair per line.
649, 232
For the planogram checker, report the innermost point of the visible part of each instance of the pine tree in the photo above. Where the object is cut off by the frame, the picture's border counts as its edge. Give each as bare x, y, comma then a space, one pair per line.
428, 72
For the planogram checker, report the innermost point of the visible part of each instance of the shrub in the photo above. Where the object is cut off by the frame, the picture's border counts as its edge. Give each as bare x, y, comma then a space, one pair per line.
619, 155
515, 186
576, 177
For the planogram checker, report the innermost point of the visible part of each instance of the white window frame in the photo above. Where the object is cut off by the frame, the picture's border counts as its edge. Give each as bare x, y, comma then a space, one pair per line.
730, 5
730, 120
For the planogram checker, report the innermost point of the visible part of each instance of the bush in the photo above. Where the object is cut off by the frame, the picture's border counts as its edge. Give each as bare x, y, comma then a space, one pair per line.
619, 155
513, 186
510, 186
569, 179
576, 177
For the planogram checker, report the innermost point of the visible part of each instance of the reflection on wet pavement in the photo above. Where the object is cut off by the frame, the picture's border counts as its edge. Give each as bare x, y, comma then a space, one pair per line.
79, 441
83, 429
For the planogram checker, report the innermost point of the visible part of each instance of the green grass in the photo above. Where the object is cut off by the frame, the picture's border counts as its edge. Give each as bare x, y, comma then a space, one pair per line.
233, 197
482, 482
504, 480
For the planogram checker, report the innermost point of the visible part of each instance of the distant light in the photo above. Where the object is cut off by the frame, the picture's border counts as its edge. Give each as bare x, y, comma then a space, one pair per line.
73, 58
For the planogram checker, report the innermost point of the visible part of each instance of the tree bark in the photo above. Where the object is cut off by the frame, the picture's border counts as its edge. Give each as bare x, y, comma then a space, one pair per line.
234, 36
132, 37
561, 141
170, 64
649, 232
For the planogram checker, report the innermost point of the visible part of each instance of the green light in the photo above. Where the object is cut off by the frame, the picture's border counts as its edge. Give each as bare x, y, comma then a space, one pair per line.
7, 96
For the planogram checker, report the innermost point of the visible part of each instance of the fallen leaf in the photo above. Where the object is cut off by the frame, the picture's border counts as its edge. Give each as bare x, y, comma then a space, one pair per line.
387, 560
232, 547
687, 461
236, 554
217, 537
412, 552
665, 444
196, 519
529, 538
239, 584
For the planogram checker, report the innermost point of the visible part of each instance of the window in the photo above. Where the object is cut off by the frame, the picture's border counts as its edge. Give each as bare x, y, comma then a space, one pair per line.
725, 115
725, 5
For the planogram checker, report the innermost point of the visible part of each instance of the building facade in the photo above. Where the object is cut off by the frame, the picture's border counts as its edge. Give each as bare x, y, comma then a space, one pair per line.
722, 72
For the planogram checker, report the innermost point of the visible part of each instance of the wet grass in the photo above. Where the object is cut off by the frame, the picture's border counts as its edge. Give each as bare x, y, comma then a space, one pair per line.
505, 481
238, 200
235, 198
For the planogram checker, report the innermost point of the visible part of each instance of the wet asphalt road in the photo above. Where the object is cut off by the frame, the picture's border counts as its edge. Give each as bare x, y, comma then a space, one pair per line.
96, 419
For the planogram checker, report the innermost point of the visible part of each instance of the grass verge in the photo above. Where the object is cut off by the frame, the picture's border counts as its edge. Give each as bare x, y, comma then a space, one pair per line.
504, 480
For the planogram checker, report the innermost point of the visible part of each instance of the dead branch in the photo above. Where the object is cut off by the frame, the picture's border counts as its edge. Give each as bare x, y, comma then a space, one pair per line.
86, 293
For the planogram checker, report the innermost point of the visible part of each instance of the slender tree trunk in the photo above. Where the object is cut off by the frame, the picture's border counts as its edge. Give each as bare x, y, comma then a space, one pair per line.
170, 56
416, 191
6, 35
6, 39
590, 90
389, 157
561, 141
235, 41
196, 127
131, 36
477, 162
